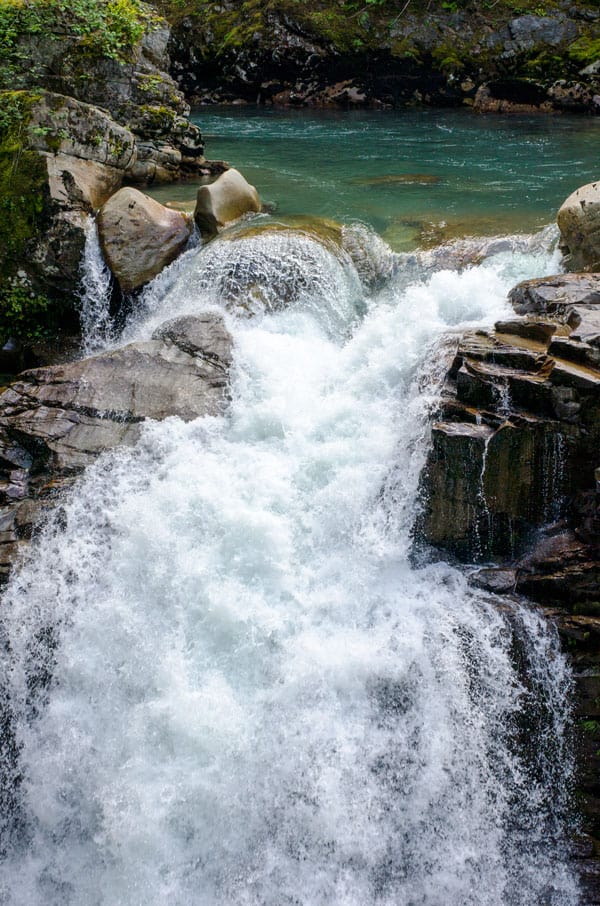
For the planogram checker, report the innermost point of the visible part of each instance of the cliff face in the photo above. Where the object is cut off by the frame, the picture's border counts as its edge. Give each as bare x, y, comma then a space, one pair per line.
108, 54
497, 56
86, 103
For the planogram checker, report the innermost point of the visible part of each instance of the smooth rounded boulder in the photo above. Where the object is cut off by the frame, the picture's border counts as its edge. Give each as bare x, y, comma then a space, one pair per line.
579, 224
226, 199
139, 237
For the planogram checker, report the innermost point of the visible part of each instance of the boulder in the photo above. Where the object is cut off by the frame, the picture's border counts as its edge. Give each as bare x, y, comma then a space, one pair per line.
579, 224
139, 237
56, 420
226, 199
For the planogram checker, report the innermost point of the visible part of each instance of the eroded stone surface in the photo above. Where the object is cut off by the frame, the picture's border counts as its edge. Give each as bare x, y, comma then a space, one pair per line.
534, 385
223, 201
54, 421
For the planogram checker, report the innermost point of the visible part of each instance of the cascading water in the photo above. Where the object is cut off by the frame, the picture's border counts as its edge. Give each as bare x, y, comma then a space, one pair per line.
97, 328
227, 683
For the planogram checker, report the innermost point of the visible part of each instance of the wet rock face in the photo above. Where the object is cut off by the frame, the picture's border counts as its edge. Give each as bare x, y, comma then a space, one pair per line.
579, 223
513, 479
139, 237
519, 426
54, 421
71, 157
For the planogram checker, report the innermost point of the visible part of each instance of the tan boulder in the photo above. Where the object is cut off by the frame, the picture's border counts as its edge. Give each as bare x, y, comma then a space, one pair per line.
579, 224
139, 237
223, 201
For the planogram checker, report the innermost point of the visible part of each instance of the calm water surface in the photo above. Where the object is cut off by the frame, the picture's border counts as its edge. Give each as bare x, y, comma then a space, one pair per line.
404, 172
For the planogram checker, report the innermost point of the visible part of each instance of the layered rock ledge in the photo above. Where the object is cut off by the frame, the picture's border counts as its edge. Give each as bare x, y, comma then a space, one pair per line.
513, 481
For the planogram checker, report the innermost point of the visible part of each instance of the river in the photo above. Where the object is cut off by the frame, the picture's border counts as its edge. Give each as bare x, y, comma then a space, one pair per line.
230, 680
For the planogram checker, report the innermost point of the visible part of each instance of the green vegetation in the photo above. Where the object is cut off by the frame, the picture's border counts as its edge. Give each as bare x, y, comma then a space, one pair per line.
585, 50
590, 726
101, 28
363, 26
24, 314
22, 206
22, 176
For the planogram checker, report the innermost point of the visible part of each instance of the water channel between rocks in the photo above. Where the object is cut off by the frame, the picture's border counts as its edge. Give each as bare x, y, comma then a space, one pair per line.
229, 681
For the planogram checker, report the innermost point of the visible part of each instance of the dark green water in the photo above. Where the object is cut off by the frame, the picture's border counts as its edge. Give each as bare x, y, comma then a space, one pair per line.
475, 174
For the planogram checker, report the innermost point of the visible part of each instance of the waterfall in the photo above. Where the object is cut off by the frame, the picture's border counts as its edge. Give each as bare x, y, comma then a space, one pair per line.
228, 682
97, 329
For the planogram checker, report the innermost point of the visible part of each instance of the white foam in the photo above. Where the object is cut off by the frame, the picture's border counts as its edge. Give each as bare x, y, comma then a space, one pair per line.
256, 699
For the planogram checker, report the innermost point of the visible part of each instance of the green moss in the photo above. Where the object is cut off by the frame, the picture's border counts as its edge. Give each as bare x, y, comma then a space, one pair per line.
449, 57
545, 65
585, 50
23, 201
157, 119
405, 48
22, 179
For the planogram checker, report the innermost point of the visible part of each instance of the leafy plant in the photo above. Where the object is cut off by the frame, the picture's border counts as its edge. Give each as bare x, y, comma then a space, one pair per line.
107, 28
24, 314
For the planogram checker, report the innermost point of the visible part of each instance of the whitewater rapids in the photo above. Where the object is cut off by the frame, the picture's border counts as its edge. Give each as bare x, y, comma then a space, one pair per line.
227, 681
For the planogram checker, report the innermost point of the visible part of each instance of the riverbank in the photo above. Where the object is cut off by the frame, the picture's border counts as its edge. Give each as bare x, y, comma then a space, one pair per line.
500, 56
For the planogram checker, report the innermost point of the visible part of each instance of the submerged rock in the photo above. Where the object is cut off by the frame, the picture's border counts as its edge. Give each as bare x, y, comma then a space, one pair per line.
139, 237
54, 421
404, 179
226, 199
579, 223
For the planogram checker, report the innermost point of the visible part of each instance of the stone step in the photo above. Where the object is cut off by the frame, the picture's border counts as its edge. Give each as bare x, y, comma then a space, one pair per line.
575, 351
536, 331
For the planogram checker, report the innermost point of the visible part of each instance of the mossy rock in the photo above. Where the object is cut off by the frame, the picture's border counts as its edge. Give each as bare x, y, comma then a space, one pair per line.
52, 174
24, 195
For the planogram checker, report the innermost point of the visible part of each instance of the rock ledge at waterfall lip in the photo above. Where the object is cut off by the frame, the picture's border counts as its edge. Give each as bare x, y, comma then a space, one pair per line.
56, 420
555, 295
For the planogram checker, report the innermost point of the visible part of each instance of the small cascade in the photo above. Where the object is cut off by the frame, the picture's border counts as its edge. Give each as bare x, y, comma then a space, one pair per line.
483, 522
504, 402
553, 474
273, 271
97, 327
